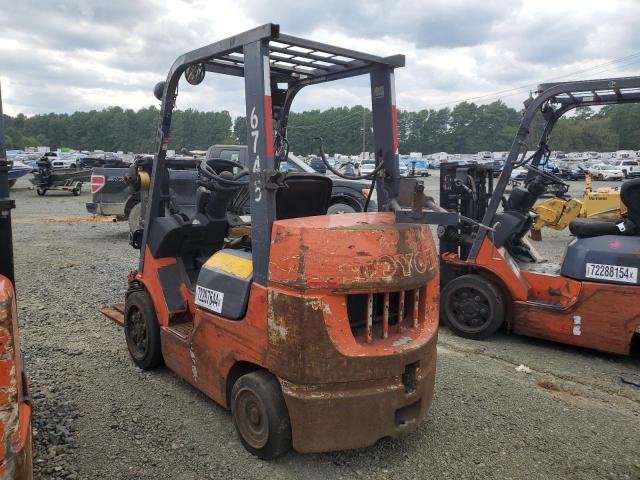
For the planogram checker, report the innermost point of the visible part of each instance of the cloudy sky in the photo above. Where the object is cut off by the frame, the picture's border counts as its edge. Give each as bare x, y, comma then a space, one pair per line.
68, 55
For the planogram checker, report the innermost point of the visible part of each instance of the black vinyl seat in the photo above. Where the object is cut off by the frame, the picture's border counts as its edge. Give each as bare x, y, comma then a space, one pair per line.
304, 195
630, 196
177, 235
586, 227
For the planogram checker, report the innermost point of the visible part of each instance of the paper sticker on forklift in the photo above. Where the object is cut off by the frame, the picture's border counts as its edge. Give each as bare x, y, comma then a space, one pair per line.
209, 299
614, 273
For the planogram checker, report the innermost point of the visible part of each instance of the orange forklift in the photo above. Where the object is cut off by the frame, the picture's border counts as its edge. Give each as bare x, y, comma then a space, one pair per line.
15, 404
492, 276
317, 331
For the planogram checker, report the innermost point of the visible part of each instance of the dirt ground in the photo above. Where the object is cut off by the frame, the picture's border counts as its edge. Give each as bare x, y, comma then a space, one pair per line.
97, 416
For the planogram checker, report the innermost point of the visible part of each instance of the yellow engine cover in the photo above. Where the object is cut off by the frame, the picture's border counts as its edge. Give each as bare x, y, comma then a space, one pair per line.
603, 203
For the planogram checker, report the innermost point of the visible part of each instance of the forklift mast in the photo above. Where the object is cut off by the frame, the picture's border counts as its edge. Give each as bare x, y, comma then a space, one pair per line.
465, 189
6, 205
275, 68
553, 100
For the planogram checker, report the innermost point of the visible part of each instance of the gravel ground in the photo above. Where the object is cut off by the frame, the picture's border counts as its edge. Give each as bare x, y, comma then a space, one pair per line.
97, 416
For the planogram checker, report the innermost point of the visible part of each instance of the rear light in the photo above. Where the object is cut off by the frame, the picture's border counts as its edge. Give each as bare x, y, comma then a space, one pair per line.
97, 182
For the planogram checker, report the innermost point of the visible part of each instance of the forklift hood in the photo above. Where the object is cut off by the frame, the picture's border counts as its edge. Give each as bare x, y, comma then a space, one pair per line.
351, 252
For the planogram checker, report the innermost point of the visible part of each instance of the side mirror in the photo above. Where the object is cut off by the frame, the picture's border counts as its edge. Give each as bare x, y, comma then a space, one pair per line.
158, 90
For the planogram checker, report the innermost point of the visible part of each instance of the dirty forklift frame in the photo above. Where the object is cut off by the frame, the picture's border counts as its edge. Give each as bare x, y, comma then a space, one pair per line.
318, 331
265, 65
490, 274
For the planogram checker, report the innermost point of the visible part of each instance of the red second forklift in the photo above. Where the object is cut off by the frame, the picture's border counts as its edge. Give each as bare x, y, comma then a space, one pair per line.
317, 331
493, 277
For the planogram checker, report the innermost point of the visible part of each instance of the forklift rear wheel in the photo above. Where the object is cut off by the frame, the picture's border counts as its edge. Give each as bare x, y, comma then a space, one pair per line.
134, 217
473, 307
338, 208
260, 415
142, 331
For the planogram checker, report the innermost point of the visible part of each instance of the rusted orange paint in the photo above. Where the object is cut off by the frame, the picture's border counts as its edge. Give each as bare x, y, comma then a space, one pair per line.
15, 418
297, 327
149, 278
4, 340
355, 252
609, 316
594, 315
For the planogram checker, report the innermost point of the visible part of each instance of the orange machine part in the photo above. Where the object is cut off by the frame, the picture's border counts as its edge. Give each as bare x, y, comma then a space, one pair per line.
15, 420
595, 315
327, 252
298, 328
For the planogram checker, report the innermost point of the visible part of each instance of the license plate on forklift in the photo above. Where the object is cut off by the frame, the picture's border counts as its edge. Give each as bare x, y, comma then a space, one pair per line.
614, 273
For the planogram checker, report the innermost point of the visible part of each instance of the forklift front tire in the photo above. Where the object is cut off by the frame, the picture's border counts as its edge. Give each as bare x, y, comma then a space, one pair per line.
260, 415
473, 307
142, 331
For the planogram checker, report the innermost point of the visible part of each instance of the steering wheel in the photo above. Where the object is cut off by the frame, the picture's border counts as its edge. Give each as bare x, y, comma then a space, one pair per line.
546, 175
210, 178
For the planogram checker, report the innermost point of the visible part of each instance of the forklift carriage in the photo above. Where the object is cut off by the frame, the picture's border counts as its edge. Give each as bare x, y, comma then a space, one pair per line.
490, 273
318, 332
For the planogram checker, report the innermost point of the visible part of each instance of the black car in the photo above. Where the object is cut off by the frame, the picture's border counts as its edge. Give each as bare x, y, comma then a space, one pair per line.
570, 172
318, 165
93, 162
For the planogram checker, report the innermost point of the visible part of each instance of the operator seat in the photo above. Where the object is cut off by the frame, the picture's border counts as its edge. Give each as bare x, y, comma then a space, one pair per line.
515, 220
303, 195
630, 196
177, 235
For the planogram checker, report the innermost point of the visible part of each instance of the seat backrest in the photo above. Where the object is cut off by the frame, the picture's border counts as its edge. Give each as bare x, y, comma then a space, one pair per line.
175, 235
630, 195
304, 195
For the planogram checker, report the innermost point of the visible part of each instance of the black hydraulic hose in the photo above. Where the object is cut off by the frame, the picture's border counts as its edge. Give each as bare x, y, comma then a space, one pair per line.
369, 176
281, 147
6, 205
373, 185
524, 158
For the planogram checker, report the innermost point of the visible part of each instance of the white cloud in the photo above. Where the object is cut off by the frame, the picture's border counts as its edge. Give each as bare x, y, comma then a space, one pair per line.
89, 54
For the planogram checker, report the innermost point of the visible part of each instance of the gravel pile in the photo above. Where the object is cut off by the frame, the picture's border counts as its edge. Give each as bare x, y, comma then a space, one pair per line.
54, 424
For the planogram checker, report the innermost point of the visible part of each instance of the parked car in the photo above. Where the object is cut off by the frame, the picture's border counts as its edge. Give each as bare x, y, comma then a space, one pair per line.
367, 167
570, 171
318, 165
18, 169
418, 166
604, 171
497, 166
629, 167
519, 174
92, 162
61, 161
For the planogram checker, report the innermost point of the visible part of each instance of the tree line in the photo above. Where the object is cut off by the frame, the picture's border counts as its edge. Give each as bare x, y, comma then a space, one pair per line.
465, 128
